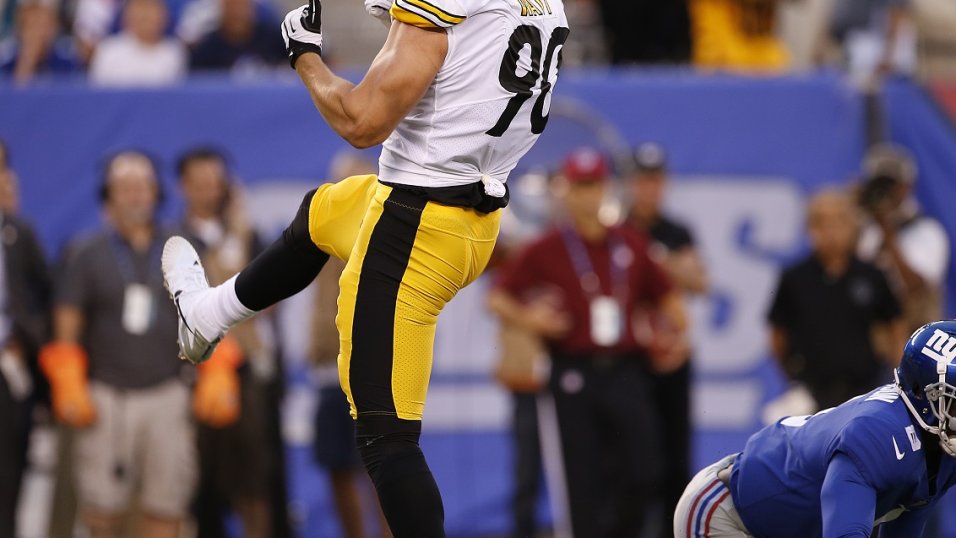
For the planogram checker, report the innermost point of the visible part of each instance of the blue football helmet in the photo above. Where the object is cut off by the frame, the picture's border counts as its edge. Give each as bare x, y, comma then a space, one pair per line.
926, 378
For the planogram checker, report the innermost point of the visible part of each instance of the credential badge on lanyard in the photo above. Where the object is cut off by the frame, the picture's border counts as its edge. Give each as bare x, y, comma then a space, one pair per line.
606, 311
139, 305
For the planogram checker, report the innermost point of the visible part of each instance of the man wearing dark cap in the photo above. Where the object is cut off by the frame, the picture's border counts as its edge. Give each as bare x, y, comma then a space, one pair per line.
672, 244
578, 287
911, 247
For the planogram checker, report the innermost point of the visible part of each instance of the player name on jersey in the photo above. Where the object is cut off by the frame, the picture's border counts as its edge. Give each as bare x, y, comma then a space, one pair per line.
535, 8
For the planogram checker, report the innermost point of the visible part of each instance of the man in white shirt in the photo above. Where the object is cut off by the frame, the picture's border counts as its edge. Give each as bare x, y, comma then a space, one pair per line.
912, 248
877, 36
141, 55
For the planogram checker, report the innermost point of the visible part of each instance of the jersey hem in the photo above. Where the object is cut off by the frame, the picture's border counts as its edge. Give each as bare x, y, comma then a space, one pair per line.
388, 175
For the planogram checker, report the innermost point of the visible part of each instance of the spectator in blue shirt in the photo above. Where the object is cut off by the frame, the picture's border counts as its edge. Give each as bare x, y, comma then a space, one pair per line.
36, 47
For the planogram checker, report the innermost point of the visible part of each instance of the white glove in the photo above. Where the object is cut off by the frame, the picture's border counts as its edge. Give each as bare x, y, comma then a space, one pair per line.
379, 10
302, 31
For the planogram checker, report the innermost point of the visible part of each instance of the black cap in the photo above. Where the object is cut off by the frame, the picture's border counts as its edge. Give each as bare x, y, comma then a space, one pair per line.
650, 157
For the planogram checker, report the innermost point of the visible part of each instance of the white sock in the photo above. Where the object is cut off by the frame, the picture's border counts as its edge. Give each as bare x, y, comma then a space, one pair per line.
219, 309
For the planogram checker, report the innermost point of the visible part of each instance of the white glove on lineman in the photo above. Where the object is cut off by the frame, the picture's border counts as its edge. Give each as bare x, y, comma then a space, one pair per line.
302, 31
379, 10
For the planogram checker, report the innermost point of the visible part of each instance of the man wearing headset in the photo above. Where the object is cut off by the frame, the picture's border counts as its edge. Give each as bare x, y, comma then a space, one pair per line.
112, 365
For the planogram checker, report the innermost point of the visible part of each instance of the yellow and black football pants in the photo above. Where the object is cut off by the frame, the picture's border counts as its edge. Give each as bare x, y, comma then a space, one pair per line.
406, 257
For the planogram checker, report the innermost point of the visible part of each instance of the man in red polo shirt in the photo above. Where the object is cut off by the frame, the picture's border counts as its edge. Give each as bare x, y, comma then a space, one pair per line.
577, 287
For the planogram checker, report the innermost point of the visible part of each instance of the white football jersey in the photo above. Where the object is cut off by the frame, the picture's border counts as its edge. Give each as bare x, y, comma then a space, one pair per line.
491, 97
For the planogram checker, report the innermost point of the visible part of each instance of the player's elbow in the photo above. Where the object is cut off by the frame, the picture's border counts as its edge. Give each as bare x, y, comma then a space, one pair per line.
362, 141
365, 135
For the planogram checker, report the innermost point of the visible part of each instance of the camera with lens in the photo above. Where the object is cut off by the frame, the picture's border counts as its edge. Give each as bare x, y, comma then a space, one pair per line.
876, 191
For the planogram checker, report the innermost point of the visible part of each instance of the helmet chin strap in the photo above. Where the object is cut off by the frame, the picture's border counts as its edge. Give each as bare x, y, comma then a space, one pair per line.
945, 442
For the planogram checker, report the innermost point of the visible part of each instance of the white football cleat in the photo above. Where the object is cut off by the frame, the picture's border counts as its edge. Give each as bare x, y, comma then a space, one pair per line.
185, 280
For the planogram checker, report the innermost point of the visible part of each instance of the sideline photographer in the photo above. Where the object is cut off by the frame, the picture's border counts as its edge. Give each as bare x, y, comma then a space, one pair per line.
911, 247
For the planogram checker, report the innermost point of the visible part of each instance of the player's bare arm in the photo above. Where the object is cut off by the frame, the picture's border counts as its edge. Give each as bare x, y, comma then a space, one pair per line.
364, 114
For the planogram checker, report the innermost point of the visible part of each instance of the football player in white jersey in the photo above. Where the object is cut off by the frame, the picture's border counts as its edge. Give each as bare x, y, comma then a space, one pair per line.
459, 92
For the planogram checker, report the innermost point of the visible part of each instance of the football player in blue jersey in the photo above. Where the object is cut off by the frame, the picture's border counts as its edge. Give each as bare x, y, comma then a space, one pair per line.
879, 460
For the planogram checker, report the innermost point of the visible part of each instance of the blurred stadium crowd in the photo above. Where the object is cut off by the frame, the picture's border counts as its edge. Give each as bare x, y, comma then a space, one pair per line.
150, 42
167, 451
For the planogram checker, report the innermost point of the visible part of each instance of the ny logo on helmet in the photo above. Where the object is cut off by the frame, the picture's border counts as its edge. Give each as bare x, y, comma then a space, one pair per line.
940, 347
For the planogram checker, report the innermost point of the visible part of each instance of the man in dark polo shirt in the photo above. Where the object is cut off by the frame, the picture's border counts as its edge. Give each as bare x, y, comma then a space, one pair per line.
577, 287
112, 366
672, 244
836, 326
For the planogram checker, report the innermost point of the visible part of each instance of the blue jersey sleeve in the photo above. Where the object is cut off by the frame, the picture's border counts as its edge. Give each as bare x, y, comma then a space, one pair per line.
847, 501
870, 446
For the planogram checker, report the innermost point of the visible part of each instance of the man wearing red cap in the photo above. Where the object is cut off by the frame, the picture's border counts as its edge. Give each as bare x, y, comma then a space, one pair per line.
577, 287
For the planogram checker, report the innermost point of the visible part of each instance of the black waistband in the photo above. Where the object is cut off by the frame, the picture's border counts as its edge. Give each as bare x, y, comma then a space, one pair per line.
472, 196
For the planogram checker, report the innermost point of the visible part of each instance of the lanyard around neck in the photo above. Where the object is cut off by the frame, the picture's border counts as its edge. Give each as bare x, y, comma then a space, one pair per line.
124, 256
587, 277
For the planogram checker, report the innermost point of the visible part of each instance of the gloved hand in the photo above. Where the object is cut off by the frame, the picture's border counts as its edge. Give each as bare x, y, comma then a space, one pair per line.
379, 10
216, 397
65, 366
302, 31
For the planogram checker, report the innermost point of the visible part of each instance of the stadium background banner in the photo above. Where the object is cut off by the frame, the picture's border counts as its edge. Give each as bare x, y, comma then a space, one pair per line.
746, 153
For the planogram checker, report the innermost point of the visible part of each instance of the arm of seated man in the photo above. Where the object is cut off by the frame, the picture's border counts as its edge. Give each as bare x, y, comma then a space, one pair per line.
365, 114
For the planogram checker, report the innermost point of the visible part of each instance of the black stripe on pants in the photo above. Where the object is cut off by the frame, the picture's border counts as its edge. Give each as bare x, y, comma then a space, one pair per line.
373, 323
389, 446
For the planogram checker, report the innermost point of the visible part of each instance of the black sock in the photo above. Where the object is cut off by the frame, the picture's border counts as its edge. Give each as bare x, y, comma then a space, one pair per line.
285, 268
406, 488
